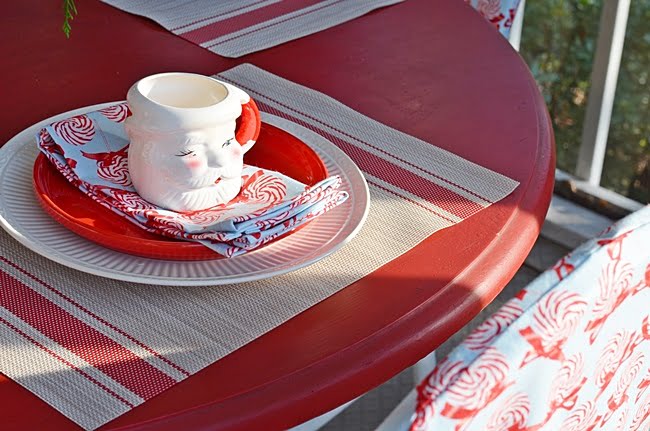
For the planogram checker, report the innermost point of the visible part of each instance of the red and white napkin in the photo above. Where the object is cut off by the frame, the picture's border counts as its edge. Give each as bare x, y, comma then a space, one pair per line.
90, 150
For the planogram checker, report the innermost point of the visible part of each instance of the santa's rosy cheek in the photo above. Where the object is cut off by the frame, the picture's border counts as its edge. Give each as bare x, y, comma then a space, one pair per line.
193, 163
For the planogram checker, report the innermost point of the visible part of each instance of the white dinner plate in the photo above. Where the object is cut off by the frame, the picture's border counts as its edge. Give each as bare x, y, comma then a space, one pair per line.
22, 216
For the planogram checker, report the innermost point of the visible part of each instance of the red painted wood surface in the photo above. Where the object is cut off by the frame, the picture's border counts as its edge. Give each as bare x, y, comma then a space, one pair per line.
434, 70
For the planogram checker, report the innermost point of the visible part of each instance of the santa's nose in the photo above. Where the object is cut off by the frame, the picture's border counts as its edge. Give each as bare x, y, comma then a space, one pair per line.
213, 156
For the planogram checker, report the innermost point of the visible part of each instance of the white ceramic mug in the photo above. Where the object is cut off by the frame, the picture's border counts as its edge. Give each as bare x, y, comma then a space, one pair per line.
184, 152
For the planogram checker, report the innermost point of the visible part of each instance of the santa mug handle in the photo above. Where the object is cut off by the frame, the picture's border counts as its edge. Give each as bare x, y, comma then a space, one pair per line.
248, 124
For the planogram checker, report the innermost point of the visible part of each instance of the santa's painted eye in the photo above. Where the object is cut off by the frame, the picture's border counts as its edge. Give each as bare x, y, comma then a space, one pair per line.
185, 153
228, 142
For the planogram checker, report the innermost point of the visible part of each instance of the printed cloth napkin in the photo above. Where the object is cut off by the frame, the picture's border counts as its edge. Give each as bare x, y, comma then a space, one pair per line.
236, 28
569, 352
90, 150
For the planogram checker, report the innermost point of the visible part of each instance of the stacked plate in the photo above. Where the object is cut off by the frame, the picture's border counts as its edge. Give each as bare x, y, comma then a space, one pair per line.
44, 212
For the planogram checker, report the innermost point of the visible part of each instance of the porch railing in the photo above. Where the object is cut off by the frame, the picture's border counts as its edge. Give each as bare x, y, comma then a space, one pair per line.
585, 184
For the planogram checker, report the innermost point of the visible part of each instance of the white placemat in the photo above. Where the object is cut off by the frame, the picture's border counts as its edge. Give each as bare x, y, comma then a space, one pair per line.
94, 348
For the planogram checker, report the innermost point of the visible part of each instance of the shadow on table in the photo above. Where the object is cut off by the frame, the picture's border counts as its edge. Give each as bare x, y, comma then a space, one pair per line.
355, 339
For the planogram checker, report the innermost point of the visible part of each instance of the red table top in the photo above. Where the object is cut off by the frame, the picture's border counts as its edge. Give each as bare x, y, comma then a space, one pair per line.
434, 70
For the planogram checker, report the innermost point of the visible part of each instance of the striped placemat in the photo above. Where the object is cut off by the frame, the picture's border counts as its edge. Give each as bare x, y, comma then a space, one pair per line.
94, 348
237, 28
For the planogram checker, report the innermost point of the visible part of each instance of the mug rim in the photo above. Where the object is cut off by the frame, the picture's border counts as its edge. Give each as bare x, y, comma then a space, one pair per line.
142, 81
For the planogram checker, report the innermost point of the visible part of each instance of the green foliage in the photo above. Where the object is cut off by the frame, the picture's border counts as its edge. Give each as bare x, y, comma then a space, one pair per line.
558, 43
627, 164
69, 12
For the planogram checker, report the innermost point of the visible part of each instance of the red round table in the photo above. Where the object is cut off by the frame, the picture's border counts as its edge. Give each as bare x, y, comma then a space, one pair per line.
434, 70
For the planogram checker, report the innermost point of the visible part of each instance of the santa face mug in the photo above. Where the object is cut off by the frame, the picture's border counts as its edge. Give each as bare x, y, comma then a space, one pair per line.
184, 152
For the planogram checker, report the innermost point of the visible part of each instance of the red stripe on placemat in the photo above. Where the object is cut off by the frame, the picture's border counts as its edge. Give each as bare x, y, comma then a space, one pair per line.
96, 317
97, 349
64, 361
289, 18
391, 173
379, 186
393, 156
245, 20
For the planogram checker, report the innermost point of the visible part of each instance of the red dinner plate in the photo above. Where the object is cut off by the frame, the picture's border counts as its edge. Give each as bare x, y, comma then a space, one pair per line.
275, 150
